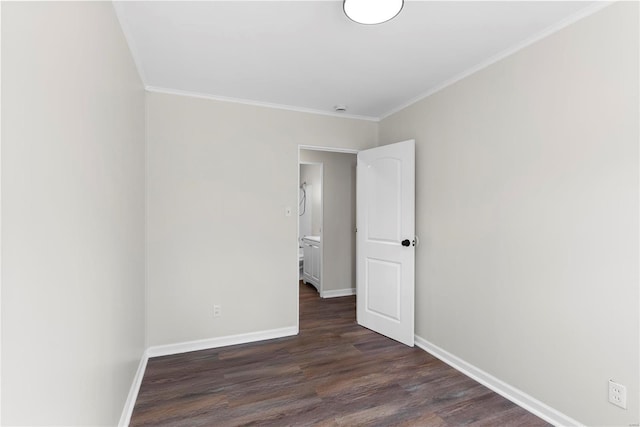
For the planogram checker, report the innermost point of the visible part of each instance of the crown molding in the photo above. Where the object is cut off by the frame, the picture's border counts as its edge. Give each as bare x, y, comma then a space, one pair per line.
587, 11
201, 95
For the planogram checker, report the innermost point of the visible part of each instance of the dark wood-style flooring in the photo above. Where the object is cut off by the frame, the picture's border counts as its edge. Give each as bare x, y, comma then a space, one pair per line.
334, 373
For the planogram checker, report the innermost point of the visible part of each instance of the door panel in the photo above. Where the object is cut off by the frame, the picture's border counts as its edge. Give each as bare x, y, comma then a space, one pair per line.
315, 259
383, 296
383, 209
306, 265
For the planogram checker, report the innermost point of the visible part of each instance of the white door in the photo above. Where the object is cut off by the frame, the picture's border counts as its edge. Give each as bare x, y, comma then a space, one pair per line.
385, 240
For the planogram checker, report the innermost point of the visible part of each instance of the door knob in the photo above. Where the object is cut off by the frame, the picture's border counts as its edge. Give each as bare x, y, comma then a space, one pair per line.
406, 242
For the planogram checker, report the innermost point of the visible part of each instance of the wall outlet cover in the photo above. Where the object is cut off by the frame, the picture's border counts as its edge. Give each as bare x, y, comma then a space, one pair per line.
618, 394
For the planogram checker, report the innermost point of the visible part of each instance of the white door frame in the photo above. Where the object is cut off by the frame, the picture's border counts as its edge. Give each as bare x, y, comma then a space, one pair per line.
297, 264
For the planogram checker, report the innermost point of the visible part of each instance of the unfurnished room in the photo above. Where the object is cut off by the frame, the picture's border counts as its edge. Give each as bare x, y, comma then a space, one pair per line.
320, 213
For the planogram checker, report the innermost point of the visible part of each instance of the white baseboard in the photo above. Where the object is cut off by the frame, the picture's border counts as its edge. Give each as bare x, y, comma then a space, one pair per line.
507, 391
338, 293
184, 347
165, 350
127, 411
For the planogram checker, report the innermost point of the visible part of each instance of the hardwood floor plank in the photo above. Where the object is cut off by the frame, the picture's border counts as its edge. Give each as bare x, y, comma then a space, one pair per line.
334, 373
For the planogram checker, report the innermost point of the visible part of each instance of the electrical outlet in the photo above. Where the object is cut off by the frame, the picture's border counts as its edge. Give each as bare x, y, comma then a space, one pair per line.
618, 394
216, 311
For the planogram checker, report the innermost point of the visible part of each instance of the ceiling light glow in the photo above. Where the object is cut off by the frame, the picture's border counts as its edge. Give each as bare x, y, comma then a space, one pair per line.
372, 11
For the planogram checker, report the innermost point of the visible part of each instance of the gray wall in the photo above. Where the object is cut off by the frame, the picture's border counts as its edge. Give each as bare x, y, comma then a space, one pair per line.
527, 209
219, 178
311, 174
72, 214
339, 218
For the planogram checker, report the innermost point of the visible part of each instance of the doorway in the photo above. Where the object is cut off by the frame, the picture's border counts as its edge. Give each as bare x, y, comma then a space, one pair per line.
310, 223
332, 220
386, 244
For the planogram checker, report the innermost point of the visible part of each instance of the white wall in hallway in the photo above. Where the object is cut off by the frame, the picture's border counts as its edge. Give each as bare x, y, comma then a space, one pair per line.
311, 174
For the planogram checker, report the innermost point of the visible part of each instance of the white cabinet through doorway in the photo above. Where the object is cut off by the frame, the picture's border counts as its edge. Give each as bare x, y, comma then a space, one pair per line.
311, 266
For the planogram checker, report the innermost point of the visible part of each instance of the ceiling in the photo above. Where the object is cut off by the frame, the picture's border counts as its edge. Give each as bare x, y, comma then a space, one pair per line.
308, 55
